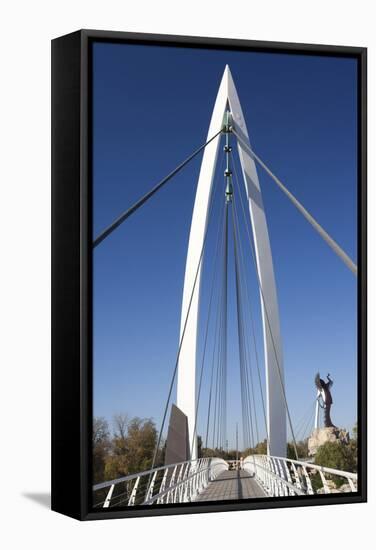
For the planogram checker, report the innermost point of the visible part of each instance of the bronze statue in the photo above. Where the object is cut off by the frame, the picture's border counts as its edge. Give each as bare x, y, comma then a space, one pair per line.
326, 398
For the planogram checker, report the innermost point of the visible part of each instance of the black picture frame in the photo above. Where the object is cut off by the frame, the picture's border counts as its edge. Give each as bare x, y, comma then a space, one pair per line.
72, 272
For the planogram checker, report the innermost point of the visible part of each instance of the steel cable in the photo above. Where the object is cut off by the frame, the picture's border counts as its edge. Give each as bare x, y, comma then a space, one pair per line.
120, 219
269, 326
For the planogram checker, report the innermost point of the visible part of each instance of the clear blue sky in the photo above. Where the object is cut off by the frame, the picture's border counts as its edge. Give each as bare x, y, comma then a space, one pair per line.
152, 107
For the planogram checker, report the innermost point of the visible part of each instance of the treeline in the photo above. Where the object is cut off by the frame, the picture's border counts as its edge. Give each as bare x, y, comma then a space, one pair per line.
231, 454
125, 449
340, 456
262, 449
337, 455
129, 447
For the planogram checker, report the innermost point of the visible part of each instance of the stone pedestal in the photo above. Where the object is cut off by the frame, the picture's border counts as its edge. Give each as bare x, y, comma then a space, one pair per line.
322, 435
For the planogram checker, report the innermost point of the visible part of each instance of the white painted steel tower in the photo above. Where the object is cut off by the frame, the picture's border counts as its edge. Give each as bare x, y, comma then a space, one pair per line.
227, 99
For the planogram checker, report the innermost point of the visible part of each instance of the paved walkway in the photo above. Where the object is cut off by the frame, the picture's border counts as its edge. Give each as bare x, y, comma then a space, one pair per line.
231, 485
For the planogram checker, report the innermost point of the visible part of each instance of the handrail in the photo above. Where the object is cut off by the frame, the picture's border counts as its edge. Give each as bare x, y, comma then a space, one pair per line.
281, 476
333, 471
105, 484
163, 493
287, 483
174, 483
184, 481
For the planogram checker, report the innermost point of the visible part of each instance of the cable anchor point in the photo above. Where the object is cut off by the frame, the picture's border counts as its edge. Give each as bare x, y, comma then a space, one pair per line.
227, 149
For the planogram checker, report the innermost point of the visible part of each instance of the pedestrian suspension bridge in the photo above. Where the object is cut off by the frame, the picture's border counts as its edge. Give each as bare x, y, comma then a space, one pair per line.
184, 476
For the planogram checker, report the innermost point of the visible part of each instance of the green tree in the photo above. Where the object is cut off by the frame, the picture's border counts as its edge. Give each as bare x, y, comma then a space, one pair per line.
340, 456
207, 452
301, 447
260, 449
116, 462
132, 447
101, 447
199, 446
141, 443
337, 455
120, 423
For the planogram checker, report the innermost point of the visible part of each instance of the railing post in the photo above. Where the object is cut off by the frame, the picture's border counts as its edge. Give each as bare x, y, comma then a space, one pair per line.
282, 474
276, 482
351, 483
185, 485
182, 486
163, 485
171, 483
184, 481
273, 486
177, 491
109, 496
308, 481
288, 477
324, 482
296, 475
149, 492
132, 498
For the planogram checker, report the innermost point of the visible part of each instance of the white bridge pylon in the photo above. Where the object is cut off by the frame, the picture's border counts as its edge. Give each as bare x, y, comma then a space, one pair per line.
227, 98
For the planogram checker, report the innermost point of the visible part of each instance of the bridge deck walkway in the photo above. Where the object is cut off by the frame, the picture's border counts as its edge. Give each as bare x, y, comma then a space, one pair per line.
232, 485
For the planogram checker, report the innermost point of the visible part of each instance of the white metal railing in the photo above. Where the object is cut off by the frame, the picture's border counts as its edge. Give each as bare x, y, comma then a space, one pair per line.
172, 484
285, 477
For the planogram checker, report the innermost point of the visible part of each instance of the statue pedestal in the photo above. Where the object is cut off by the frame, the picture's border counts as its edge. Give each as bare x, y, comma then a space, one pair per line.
320, 436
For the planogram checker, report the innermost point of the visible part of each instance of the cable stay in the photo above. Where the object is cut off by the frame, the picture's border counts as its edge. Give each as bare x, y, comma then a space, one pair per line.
243, 293
127, 213
224, 337
219, 431
249, 417
320, 230
308, 426
248, 432
215, 355
267, 318
214, 276
221, 360
218, 378
219, 365
216, 360
302, 422
212, 379
253, 332
183, 333
217, 321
